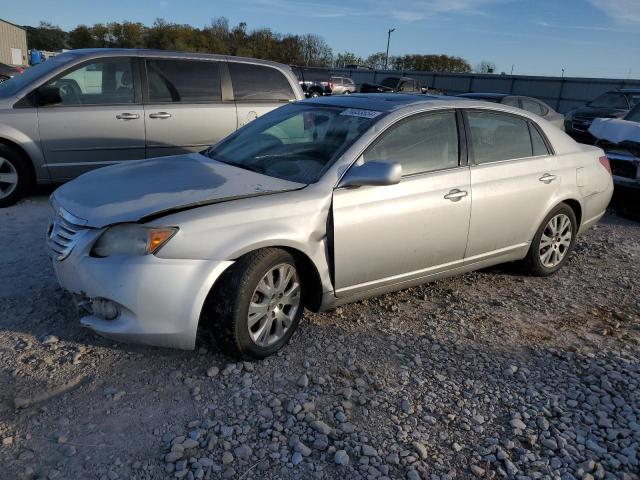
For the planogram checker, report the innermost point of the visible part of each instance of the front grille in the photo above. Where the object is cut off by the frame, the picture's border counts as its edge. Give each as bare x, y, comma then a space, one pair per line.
64, 232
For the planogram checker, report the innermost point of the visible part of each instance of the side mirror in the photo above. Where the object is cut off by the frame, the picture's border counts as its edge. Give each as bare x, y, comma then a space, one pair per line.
48, 95
372, 173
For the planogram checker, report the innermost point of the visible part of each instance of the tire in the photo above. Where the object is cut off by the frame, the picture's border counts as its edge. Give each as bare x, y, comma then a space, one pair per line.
15, 176
227, 310
347, 92
314, 94
543, 260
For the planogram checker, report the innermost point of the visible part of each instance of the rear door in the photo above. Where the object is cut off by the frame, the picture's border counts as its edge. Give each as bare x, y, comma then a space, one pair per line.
513, 175
258, 89
99, 120
184, 107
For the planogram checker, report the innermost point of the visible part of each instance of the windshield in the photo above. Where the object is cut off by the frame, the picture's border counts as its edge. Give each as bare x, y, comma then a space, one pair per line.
634, 115
610, 100
390, 82
295, 142
17, 83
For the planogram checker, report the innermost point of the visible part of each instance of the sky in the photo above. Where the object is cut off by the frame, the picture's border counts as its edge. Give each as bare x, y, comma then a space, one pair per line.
588, 38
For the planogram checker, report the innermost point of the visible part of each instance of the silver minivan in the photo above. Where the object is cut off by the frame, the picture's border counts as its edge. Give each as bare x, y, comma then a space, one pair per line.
89, 108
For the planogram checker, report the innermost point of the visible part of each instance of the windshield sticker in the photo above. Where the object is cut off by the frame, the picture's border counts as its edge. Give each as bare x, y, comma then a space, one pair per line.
356, 112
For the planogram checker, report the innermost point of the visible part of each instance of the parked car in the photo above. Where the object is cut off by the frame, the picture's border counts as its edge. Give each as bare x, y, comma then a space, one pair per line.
393, 85
620, 139
9, 71
316, 204
315, 82
612, 104
342, 86
529, 104
89, 108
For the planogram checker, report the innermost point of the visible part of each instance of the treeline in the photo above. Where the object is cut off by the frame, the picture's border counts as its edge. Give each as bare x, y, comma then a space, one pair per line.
219, 37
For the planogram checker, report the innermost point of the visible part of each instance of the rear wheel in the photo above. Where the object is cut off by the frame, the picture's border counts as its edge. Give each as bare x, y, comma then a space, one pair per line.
314, 94
258, 304
15, 177
553, 242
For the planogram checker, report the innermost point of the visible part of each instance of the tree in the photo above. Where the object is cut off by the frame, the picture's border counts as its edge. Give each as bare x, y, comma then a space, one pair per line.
376, 60
347, 58
80, 37
126, 34
46, 37
315, 51
431, 63
486, 66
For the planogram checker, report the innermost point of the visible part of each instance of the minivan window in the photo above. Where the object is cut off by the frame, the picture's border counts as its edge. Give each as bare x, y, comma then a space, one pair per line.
498, 136
296, 142
103, 82
183, 81
422, 143
258, 83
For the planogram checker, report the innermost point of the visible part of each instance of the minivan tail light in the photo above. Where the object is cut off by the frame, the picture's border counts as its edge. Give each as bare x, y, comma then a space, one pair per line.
605, 163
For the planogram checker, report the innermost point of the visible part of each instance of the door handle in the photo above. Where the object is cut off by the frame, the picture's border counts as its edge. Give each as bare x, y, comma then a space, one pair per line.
547, 178
160, 115
127, 116
455, 195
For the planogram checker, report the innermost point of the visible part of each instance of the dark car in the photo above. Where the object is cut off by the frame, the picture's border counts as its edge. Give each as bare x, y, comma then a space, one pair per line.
9, 71
315, 82
393, 85
529, 104
612, 104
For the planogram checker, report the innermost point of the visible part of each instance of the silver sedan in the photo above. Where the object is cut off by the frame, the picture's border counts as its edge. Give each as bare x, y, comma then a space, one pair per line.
316, 204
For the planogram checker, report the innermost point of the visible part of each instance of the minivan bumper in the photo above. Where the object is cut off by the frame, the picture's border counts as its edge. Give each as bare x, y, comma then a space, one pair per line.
143, 299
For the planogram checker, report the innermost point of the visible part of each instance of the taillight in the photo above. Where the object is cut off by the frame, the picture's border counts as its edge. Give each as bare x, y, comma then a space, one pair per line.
20, 69
605, 163
330, 85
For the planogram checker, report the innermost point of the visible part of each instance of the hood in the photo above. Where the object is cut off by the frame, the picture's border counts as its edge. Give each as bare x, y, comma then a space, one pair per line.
615, 131
130, 191
590, 113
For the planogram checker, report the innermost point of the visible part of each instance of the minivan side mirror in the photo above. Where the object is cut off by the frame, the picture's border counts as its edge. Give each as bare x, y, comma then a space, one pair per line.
48, 95
374, 173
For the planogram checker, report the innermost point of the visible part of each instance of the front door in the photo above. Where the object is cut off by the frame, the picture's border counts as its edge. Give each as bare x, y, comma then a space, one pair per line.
258, 89
99, 120
184, 111
391, 234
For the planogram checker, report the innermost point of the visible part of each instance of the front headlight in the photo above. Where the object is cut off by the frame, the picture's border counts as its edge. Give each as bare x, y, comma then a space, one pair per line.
131, 239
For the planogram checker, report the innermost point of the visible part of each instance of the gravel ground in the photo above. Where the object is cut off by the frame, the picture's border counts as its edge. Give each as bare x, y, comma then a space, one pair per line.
491, 375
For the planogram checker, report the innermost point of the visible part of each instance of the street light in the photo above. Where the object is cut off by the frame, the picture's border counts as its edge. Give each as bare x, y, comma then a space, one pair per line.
386, 58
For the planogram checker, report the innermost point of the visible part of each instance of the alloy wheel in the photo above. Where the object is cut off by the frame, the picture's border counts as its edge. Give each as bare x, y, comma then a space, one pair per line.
274, 304
8, 178
555, 240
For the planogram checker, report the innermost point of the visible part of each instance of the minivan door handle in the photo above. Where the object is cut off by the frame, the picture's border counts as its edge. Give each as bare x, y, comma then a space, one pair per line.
547, 178
455, 195
127, 116
160, 115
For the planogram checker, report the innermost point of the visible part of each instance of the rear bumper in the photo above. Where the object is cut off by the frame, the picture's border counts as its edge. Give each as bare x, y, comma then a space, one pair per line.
158, 300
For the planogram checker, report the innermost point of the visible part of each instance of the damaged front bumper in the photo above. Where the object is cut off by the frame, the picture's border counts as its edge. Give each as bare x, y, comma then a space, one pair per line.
138, 299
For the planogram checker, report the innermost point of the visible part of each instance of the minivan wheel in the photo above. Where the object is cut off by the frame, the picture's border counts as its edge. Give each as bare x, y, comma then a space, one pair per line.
15, 176
553, 242
258, 304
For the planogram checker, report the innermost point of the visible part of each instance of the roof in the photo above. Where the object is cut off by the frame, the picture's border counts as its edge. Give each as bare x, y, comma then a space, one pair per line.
12, 24
484, 95
385, 102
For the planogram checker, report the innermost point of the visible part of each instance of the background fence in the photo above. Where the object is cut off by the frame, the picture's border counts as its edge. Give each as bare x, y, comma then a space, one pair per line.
562, 94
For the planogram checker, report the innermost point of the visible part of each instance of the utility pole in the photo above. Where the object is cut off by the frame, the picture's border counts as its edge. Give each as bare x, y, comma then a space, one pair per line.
512, 65
386, 58
563, 73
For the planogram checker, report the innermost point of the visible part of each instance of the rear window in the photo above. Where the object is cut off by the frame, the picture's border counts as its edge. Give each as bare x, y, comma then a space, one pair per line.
183, 81
533, 107
497, 136
258, 83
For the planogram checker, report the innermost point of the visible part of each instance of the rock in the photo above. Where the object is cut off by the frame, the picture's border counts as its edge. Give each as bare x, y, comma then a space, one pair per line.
26, 455
172, 457
543, 423
368, 451
50, 340
341, 457
320, 442
320, 427
477, 471
518, 424
212, 372
421, 449
303, 381
7, 441
227, 458
550, 443
302, 448
413, 475
296, 458
243, 452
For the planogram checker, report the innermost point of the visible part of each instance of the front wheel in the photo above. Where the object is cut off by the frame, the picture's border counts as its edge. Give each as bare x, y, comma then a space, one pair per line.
553, 242
258, 304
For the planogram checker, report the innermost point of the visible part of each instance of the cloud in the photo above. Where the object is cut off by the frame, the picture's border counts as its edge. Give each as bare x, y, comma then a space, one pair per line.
624, 12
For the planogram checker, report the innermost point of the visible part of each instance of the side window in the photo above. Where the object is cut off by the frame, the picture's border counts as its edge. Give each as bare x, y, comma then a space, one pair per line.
172, 81
498, 136
104, 82
511, 101
257, 83
422, 143
539, 147
532, 106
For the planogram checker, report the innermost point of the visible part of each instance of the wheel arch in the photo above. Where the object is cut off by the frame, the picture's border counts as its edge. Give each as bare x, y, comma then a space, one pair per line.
576, 207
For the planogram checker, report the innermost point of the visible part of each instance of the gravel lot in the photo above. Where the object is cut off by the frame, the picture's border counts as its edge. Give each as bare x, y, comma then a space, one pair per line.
491, 375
